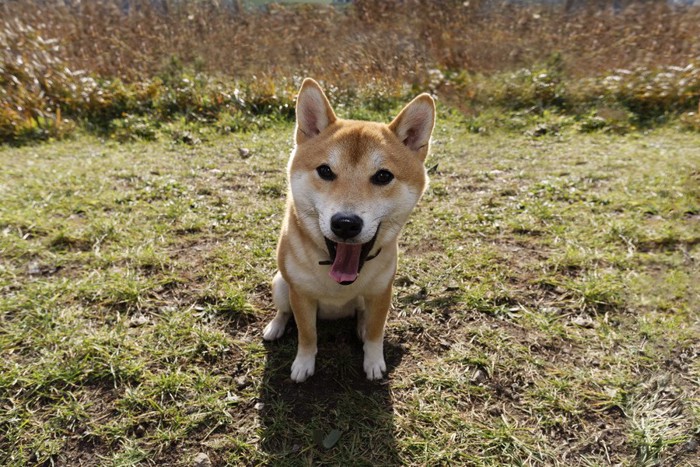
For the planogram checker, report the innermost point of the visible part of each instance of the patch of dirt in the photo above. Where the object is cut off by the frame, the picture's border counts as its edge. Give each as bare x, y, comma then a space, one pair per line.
82, 447
667, 244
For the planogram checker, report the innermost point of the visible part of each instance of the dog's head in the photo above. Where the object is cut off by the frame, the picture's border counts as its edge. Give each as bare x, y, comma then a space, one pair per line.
355, 183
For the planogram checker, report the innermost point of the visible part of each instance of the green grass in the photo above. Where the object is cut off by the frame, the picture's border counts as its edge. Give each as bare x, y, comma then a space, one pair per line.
546, 307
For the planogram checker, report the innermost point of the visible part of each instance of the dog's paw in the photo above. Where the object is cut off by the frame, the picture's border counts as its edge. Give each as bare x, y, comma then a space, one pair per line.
374, 360
375, 369
275, 328
303, 367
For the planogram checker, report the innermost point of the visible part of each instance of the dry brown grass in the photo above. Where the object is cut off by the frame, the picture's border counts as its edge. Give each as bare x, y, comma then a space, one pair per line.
393, 41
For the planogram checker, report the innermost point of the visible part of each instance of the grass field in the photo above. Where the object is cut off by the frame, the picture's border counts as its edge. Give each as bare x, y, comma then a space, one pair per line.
546, 310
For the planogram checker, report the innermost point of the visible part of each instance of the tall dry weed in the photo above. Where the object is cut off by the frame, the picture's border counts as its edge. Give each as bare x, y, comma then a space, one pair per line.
106, 61
390, 40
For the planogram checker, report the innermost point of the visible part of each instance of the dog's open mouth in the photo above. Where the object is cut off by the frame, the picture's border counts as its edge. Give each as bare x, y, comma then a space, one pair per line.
347, 259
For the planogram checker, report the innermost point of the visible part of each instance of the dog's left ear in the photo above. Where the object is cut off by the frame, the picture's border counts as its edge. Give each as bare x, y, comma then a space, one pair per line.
414, 124
314, 112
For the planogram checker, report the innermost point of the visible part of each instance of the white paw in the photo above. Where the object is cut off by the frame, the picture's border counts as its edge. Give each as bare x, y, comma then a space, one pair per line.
275, 328
303, 367
374, 369
374, 360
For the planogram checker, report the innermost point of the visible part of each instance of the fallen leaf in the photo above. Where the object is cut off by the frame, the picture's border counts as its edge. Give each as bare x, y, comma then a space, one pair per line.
332, 438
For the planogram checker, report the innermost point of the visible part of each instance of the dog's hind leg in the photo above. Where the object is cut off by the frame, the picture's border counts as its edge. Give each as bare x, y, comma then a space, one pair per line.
280, 297
361, 314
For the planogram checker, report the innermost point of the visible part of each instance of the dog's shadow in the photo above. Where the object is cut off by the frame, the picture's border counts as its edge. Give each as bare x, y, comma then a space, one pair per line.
337, 416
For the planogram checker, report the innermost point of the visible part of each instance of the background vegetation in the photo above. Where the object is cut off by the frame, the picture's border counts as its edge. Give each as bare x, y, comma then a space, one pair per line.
124, 67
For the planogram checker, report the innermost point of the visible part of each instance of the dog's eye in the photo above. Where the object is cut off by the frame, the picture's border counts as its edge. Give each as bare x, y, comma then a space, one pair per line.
382, 177
325, 172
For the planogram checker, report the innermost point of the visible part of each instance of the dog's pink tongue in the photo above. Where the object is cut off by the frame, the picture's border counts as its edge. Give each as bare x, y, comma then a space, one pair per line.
346, 263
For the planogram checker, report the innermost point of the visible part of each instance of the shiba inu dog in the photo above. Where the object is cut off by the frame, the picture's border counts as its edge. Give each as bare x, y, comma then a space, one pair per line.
352, 186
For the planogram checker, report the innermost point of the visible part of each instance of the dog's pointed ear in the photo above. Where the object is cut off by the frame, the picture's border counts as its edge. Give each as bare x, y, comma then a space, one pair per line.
314, 112
414, 124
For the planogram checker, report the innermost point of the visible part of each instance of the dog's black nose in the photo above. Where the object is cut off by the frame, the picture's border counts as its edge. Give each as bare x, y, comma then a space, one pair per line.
346, 225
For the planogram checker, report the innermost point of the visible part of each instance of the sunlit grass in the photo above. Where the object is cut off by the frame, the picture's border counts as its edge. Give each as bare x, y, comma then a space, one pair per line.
545, 309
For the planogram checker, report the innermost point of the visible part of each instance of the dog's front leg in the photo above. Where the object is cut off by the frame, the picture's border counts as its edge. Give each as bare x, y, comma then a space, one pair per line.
375, 314
304, 309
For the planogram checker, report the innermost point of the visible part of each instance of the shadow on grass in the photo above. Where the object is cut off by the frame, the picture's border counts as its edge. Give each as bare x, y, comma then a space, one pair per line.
337, 416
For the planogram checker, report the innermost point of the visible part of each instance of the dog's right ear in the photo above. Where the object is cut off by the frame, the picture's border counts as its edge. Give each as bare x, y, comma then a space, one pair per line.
314, 112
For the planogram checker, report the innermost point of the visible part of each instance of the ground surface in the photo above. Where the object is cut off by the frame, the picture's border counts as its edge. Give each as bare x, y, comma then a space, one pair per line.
546, 308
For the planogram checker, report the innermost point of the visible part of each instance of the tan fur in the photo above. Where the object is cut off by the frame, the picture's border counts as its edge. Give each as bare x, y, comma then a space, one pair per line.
355, 151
